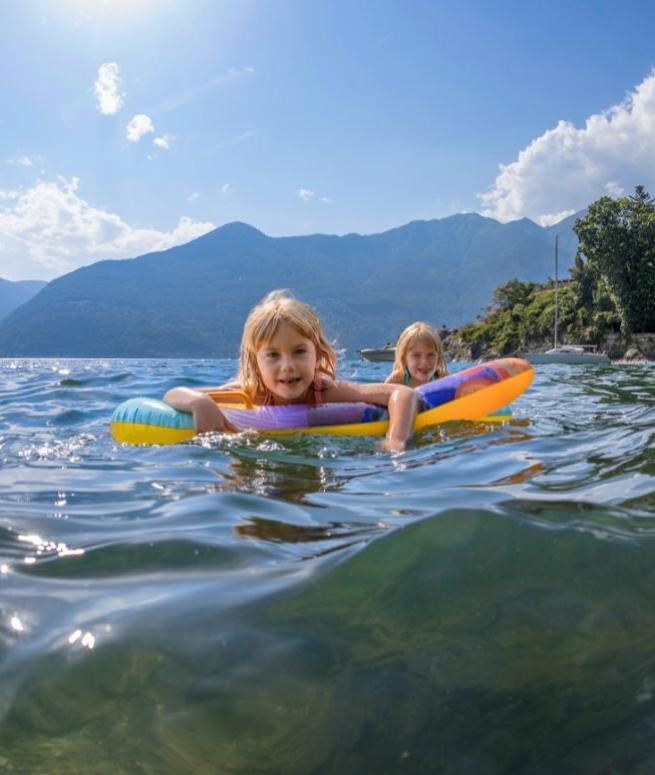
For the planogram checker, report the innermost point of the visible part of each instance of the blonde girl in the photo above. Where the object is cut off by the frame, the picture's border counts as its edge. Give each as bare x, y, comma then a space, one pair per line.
285, 358
419, 356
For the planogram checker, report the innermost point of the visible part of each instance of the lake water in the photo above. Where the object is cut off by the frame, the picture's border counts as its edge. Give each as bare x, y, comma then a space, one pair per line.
483, 603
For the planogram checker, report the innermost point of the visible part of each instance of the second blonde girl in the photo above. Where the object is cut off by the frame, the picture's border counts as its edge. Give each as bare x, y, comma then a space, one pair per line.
419, 356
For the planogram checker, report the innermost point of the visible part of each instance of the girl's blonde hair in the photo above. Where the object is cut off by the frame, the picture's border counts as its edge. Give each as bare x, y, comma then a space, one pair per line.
261, 326
418, 332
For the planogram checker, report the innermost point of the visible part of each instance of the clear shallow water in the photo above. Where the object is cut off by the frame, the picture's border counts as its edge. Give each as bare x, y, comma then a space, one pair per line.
483, 603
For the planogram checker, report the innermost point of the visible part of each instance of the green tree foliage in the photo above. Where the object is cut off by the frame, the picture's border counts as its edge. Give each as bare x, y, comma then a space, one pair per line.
617, 238
585, 313
512, 293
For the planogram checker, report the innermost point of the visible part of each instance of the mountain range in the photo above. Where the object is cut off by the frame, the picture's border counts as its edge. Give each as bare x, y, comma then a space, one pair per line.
13, 294
192, 300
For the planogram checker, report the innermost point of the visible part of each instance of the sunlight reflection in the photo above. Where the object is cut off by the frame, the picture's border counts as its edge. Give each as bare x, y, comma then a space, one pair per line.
87, 639
44, 546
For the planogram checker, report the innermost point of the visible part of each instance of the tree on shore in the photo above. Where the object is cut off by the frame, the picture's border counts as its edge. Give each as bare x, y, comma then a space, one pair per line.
617, 248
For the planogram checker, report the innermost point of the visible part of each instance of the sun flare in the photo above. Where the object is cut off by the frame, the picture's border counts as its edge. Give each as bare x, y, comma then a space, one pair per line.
112, 10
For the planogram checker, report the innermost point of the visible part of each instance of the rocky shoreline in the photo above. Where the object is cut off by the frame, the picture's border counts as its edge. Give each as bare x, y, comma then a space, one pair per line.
635, 349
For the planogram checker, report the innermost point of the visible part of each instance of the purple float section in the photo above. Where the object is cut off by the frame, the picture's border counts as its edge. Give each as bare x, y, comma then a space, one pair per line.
269, 418
435, 393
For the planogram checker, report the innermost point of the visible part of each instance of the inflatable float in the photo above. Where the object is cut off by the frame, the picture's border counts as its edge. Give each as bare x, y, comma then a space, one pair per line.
478, 393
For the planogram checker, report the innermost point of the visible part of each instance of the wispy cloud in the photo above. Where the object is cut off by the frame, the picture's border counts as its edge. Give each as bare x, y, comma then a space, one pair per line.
23, 161
192, 196
307, 195
232, 141
50, 229
198, 89
139, 125
227, 188
109, 98
566, 168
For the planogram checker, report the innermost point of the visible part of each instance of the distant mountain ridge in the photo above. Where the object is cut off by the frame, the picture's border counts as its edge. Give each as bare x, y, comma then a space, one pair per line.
191, 300
15, 293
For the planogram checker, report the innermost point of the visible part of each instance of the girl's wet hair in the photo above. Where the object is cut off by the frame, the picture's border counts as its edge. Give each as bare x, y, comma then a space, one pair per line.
419, 332
261, 325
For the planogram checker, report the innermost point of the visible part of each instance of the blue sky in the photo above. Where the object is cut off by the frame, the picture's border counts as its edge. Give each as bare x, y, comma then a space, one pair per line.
132, 125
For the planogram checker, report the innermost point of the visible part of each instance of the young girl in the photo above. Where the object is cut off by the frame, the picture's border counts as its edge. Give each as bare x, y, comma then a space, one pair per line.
419, 357
286, 359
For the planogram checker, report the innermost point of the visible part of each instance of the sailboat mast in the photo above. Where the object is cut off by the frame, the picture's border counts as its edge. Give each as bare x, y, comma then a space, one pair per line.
556, 262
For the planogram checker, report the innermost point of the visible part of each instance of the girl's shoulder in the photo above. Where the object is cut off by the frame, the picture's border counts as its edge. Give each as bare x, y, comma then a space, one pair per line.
395, 378
227, 387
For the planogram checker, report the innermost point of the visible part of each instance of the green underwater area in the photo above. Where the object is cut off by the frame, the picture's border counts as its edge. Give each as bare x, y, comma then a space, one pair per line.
471, 641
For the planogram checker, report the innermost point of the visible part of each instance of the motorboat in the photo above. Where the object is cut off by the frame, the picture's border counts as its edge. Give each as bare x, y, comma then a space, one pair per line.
379, 354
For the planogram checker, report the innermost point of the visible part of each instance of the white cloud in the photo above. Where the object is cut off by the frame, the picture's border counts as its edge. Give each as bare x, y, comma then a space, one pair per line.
24, 161
192, 196
109, 99
49, 229
326, 200
553, 218
227, 188
162, 142
139, 126
566, 168
612, 188
306, 194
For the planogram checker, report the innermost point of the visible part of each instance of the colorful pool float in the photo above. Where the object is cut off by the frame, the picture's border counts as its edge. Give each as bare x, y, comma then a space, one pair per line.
478, 393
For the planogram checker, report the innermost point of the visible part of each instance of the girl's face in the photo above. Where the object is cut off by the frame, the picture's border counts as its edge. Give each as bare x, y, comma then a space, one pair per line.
421, 360
287, 364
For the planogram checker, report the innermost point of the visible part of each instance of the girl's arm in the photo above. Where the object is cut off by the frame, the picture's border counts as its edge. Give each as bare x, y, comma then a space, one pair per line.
400, 400
206, 414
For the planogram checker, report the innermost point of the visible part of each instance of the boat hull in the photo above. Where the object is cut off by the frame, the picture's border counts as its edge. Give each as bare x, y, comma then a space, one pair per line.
574, 359
378, 354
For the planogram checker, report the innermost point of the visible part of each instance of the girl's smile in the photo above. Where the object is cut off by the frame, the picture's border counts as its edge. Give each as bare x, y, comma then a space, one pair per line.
287, 365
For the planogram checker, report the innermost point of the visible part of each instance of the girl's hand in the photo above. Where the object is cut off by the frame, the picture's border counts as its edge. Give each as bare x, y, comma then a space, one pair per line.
206, 415
402, 406
401, 401
393, 445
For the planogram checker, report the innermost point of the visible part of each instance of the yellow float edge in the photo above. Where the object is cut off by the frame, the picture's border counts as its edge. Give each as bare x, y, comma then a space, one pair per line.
142, 433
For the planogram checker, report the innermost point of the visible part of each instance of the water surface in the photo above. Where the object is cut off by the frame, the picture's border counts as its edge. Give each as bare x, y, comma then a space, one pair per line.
483, 603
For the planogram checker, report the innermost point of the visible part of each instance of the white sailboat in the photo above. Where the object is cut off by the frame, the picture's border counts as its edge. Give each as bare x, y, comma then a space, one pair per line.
567, 353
